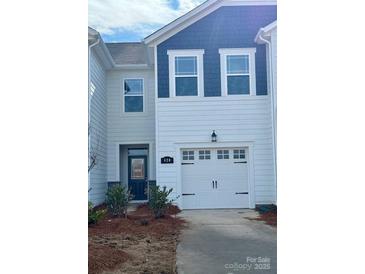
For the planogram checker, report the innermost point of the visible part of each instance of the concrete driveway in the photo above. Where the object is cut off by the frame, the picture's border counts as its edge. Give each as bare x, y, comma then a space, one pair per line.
224, 241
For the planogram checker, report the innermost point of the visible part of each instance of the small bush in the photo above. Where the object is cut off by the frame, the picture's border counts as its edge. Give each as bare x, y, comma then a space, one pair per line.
117, 199
159, 201
144, 222
95, 215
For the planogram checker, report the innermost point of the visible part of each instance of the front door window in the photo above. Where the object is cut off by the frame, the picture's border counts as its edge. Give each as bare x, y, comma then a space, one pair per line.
137, 169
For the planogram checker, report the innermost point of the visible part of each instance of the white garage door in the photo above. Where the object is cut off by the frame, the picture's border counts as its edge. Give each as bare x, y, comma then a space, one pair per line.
215, 178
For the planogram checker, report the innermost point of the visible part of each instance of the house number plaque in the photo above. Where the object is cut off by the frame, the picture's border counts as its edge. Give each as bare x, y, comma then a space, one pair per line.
167, 160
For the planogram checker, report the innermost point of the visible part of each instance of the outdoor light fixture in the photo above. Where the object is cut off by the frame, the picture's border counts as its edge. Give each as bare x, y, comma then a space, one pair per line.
214, 137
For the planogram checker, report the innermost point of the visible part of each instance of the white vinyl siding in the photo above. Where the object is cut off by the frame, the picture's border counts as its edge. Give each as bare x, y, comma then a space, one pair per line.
129, 127
97, 128
235, 119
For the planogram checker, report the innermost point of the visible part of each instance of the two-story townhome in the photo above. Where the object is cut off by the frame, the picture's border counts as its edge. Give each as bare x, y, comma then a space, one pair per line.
192, 107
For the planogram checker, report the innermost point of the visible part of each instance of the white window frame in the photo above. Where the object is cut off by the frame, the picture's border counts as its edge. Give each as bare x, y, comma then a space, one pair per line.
198, 53
250, 52
124, 95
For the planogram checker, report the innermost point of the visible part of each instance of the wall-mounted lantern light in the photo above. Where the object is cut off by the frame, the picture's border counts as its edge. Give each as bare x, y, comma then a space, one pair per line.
214, 136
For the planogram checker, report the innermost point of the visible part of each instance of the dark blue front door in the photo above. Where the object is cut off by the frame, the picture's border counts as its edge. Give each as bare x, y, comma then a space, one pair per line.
137, 177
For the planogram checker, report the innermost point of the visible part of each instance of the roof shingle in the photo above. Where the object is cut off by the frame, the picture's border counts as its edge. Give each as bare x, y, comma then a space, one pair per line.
131, 53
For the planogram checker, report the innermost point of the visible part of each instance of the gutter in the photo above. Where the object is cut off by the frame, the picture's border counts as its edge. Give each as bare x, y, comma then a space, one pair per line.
259, 36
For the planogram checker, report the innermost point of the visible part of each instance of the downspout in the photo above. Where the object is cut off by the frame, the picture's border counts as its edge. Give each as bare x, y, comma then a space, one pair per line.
89, 101
272, 110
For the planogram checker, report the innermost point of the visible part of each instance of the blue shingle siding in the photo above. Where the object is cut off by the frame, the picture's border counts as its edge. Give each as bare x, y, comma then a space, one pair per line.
227, 27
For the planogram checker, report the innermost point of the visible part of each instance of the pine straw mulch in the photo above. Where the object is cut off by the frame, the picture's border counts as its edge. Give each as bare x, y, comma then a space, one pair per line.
268, 214
137, 244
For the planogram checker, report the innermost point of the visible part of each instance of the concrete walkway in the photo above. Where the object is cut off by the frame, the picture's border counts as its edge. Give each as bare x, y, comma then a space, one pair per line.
224, 242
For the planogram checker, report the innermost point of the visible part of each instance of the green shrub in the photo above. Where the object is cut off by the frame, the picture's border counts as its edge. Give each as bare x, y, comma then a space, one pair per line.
95, 215
159, 201
117, 199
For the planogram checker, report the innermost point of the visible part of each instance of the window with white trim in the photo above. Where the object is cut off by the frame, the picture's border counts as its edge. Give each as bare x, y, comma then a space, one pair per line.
239, 154
188, 155
222, 154
133, 95
186, 72
238, 71
204, 154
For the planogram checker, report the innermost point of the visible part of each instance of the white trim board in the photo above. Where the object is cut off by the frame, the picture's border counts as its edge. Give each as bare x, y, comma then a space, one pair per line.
265, 32
195, 15
157, 154
117, 158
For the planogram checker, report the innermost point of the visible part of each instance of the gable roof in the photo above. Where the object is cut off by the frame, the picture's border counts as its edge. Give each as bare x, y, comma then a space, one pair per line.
196, 14
93, 35
131, 53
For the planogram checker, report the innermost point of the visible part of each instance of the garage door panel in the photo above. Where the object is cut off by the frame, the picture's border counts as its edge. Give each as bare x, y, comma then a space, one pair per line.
230, 176
197, 185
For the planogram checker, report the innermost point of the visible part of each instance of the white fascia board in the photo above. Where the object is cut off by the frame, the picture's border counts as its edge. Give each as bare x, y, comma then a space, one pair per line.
169, 27
265, 32
197, 14
133, 66
104, 54
186, 52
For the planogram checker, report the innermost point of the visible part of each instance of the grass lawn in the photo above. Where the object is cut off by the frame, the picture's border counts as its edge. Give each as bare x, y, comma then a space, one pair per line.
137, 244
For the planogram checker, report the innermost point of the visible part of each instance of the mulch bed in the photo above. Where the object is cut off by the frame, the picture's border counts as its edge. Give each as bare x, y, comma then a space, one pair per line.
102, 257
268, 214
137, 244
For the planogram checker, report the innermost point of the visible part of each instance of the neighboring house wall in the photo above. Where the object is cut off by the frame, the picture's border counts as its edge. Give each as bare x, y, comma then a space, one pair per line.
129, 128
274, 83
274, 62
227, 27
98, 129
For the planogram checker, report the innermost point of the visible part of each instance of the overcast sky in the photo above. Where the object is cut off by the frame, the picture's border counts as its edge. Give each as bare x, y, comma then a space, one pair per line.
132, 20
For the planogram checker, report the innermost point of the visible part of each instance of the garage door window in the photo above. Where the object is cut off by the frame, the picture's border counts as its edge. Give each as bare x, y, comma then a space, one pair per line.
204, 154
188, 155
223, 154
239, 154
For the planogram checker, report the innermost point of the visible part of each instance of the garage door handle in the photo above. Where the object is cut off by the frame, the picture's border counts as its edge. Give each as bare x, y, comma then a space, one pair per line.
241, 192
215, 184
244, 162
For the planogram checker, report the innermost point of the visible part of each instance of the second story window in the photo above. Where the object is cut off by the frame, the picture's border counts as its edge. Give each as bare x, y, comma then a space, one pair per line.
238, 71
186, 72
133, 95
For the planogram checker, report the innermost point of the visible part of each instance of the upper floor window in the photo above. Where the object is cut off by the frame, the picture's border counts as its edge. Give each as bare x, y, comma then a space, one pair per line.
186, 72
238, 71
133, 95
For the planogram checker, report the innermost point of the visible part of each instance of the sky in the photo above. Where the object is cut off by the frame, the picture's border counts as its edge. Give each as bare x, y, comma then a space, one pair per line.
132, 20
